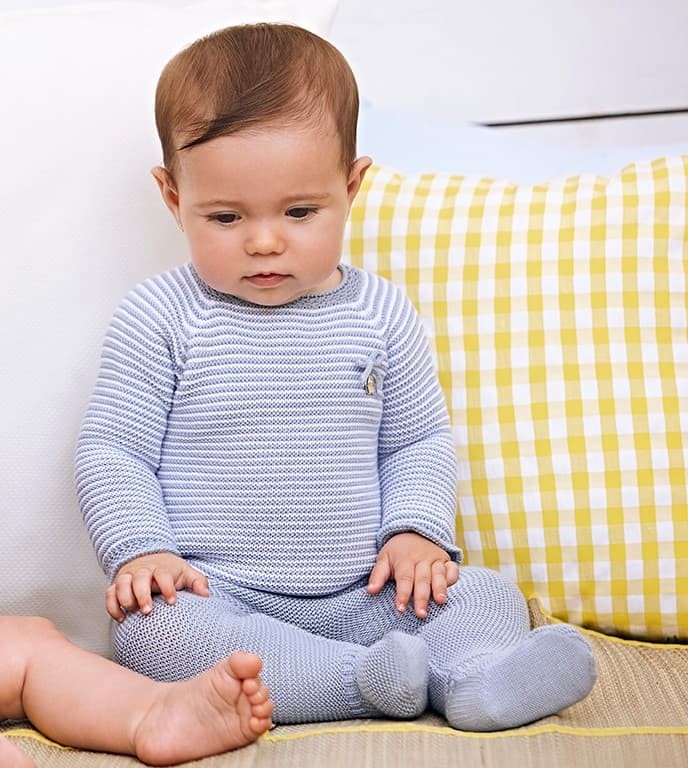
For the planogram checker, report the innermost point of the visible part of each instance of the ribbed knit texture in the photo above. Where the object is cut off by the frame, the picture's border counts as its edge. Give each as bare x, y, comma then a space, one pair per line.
273, 447
277, 449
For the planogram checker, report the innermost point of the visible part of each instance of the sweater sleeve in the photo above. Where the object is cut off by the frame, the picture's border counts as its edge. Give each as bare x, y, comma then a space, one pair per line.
416, 459
119, 446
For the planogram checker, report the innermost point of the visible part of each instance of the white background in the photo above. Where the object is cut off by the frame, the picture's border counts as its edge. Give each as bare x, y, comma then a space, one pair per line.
500, 60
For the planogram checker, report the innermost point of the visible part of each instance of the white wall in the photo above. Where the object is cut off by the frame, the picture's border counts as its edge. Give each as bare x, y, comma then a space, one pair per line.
503, 60
500, 60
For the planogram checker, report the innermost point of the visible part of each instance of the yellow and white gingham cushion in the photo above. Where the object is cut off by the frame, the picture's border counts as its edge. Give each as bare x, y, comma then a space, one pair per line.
558, 319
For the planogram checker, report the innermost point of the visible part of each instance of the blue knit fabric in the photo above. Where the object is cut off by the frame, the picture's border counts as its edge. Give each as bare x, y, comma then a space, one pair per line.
275, 448
352, 654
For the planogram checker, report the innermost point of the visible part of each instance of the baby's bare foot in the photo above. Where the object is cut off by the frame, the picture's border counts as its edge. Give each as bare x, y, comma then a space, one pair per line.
13, 757
217, 711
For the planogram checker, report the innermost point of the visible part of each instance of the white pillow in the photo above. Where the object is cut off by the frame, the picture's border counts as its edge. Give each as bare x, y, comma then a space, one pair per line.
81, 221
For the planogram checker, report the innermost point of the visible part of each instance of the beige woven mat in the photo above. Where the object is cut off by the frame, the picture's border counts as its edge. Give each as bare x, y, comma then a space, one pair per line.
637, 714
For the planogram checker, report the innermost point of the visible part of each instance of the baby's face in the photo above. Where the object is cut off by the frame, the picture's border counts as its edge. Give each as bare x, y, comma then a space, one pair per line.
264, 212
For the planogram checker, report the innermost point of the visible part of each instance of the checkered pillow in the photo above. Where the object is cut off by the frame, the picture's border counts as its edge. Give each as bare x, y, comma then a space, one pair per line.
557, 316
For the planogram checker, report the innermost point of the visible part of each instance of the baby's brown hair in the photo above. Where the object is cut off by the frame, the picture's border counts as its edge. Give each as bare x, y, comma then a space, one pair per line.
250, 77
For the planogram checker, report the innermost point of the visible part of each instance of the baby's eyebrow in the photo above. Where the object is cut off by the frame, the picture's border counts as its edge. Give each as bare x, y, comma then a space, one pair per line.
301, 197
216, 204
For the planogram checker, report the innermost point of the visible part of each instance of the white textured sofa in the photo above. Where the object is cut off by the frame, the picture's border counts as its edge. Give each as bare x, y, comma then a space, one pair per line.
82, 222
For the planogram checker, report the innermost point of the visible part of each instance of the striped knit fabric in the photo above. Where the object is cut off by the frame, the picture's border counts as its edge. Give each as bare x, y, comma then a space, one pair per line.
272, 447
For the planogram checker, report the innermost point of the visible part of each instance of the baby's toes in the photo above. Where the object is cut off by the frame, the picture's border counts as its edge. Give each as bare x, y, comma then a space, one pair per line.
261, 717
264, 709
258, 695
245, 666
250, 686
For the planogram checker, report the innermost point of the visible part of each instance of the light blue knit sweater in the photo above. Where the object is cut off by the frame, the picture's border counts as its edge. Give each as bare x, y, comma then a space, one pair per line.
273, 447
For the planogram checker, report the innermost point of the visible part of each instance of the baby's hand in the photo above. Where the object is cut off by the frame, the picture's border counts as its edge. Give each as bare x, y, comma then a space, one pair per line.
419, 568
138, 579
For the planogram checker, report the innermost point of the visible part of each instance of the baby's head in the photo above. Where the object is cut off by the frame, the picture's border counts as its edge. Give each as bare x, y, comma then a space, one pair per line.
258, 130
253, 77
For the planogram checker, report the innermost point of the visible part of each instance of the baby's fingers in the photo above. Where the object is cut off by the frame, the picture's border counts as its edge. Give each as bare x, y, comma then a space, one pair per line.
165, 582
439, 582
379, 576
451, 572
404, 578
195, 581
421, 589
113, 605
141, 586
120, 596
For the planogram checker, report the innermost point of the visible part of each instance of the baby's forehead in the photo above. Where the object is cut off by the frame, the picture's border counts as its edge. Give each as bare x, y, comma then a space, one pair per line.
259, 162
297, 136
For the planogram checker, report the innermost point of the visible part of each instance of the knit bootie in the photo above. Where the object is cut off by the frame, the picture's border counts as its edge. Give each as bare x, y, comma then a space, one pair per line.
392, 675
551, 669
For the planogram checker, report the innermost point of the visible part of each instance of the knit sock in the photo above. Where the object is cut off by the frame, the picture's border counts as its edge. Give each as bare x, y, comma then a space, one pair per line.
550, 670
392, 675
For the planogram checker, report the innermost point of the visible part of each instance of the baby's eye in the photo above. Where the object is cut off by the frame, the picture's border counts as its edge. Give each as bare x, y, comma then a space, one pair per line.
225, 218
301, 212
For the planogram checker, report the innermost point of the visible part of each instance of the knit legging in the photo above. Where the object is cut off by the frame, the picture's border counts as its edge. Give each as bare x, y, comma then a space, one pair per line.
311, 646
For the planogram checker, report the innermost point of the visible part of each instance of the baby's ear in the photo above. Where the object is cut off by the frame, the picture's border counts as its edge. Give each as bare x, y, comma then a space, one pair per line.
168, 189
356, 176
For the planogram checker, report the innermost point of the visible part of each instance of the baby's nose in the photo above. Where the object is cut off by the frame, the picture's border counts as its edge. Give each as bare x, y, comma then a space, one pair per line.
264, 239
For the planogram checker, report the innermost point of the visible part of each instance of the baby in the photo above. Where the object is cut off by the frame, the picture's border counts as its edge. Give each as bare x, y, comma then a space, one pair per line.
267, 446
83, 700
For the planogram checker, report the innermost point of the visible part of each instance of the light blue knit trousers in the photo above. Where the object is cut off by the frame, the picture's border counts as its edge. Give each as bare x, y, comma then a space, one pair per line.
353, 655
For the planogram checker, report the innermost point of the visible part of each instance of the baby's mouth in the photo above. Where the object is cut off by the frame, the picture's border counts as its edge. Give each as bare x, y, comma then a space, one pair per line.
266, 279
